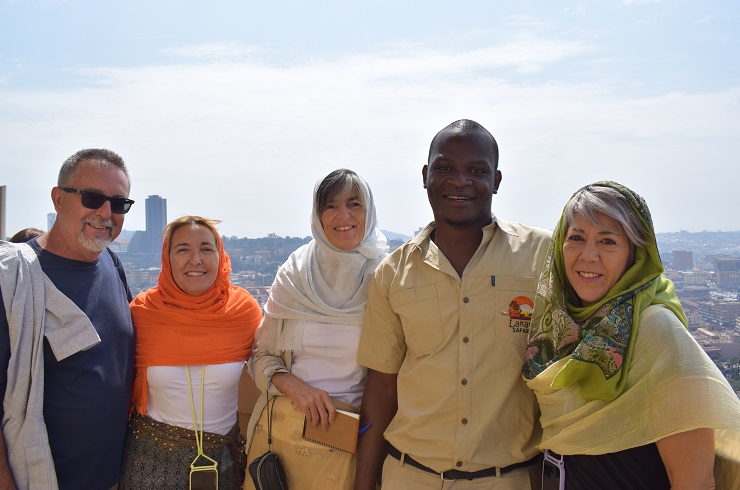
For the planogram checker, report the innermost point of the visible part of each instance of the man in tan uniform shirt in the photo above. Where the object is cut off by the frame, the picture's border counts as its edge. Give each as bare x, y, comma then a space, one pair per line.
445, 332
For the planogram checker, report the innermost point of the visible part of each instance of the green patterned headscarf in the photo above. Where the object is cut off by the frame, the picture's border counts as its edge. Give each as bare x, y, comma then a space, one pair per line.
599, 338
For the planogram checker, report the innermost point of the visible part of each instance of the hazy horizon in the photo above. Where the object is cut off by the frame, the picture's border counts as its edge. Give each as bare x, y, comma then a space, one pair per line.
127, 233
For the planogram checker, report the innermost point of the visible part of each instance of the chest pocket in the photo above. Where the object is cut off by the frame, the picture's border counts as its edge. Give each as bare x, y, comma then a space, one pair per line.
513, 310
418, 309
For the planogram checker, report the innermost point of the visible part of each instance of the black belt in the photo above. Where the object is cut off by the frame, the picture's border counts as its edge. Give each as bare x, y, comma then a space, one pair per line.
462, 475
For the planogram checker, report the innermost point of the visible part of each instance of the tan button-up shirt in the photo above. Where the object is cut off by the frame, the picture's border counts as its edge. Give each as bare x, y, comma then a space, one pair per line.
457, 345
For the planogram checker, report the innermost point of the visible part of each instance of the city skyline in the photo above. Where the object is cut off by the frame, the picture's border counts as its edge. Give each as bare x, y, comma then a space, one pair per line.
234, 110
129, 230
156, 219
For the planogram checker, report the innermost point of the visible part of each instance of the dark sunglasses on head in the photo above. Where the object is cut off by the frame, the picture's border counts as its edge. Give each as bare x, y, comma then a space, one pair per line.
93, 200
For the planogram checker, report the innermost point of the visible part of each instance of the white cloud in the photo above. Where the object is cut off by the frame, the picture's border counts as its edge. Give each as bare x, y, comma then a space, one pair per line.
244, 140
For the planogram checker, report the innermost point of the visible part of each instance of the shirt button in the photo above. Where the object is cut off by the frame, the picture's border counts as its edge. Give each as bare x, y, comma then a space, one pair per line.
458, 464
465, 340
464, 381
466, 299
464, 421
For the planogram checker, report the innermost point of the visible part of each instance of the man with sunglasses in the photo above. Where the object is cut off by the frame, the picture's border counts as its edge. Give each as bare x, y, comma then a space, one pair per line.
66, 336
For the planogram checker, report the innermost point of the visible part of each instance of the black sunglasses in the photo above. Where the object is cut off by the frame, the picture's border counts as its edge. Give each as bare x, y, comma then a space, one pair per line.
93, 200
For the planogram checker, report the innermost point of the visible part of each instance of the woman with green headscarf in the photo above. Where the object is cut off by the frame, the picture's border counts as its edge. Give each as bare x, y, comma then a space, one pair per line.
628, 398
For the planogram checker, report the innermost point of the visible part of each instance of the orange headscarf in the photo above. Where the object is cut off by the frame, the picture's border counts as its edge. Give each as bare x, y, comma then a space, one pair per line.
175, 329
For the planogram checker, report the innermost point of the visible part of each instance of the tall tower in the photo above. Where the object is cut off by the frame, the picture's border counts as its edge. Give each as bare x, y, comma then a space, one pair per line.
682, 260
156, 220
50, 219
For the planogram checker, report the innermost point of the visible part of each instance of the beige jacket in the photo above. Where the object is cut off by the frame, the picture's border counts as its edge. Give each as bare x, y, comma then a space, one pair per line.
35, 309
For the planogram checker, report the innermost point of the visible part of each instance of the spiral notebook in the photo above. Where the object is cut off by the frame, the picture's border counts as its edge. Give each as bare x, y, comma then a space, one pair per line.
342, 433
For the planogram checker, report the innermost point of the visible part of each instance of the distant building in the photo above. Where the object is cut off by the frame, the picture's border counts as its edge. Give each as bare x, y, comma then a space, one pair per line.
260, 294
697, 278
142, 279
727, 272
720, 312
50, 219
691, 310
263, 279
682, 260
729, 350
120, 245
693, 292
255, 260
714, 353
137, 244
156, 220
719, 344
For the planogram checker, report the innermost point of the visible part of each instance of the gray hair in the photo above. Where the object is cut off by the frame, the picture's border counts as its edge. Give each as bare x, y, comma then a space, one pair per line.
335, 185
596, 199
101, 156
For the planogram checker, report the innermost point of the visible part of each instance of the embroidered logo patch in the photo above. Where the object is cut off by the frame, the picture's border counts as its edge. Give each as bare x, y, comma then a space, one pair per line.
520, 314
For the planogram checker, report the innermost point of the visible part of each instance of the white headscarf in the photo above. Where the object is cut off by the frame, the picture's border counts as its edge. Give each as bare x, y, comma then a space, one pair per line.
321, 283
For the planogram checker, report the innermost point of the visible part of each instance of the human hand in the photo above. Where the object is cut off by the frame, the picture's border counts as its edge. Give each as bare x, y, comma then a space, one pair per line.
314, 403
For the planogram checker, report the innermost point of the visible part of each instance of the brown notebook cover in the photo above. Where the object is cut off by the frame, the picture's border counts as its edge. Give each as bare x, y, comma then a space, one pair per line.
342, 434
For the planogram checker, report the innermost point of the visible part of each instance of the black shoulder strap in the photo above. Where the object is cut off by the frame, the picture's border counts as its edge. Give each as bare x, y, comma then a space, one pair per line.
121, 273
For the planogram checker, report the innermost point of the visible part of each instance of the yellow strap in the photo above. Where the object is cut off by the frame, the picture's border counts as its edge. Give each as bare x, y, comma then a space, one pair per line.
199, 437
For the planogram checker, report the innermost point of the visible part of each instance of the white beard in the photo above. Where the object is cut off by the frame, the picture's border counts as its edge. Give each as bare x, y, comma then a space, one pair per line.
95, 244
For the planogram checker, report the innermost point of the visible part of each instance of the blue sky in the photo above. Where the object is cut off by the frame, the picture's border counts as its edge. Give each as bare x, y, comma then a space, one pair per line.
233, 109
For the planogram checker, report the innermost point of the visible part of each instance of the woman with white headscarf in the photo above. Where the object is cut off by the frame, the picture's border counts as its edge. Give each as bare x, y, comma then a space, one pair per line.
307, 343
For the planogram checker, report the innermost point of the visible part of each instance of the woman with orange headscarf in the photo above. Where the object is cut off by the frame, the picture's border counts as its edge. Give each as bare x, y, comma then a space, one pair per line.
194, 332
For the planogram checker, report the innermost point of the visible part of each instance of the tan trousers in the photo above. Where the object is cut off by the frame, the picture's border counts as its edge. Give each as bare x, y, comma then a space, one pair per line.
406, 477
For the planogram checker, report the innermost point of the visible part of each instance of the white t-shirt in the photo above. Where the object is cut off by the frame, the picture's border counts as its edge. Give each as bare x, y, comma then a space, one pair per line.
328, 361
169, 401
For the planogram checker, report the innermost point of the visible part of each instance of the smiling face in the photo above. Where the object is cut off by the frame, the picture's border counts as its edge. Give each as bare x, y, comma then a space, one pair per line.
343, 220
596, 256
81, 233
461, 178
194, 258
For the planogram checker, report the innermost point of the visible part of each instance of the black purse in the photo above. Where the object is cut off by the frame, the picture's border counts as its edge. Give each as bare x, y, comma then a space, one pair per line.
267, 470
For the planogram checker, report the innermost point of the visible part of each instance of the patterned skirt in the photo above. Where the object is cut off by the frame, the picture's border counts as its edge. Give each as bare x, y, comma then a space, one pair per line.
158, 455
308, 466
